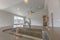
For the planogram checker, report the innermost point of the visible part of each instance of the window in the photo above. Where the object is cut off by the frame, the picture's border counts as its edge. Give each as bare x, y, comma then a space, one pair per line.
18, 21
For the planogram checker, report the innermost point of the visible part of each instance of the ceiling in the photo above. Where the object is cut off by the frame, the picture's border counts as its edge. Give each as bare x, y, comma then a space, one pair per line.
20, 7
8, 3
20, 3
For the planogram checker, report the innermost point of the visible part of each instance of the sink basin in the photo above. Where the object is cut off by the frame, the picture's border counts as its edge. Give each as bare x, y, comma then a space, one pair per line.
30, 32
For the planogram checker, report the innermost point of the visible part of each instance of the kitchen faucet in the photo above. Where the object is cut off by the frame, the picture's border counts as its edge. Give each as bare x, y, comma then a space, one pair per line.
28, 22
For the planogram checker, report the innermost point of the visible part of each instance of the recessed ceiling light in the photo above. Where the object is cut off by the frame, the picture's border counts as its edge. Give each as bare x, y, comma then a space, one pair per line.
26, 1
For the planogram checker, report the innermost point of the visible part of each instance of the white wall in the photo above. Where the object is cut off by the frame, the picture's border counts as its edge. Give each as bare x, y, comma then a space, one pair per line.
45, 4
37, 18
6, 19
53, 7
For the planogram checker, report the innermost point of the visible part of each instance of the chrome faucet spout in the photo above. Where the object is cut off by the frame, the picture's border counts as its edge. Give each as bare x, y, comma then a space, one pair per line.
28, 22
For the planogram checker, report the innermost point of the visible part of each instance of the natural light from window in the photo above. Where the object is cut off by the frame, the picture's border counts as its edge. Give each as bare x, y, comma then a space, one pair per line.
18, 21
